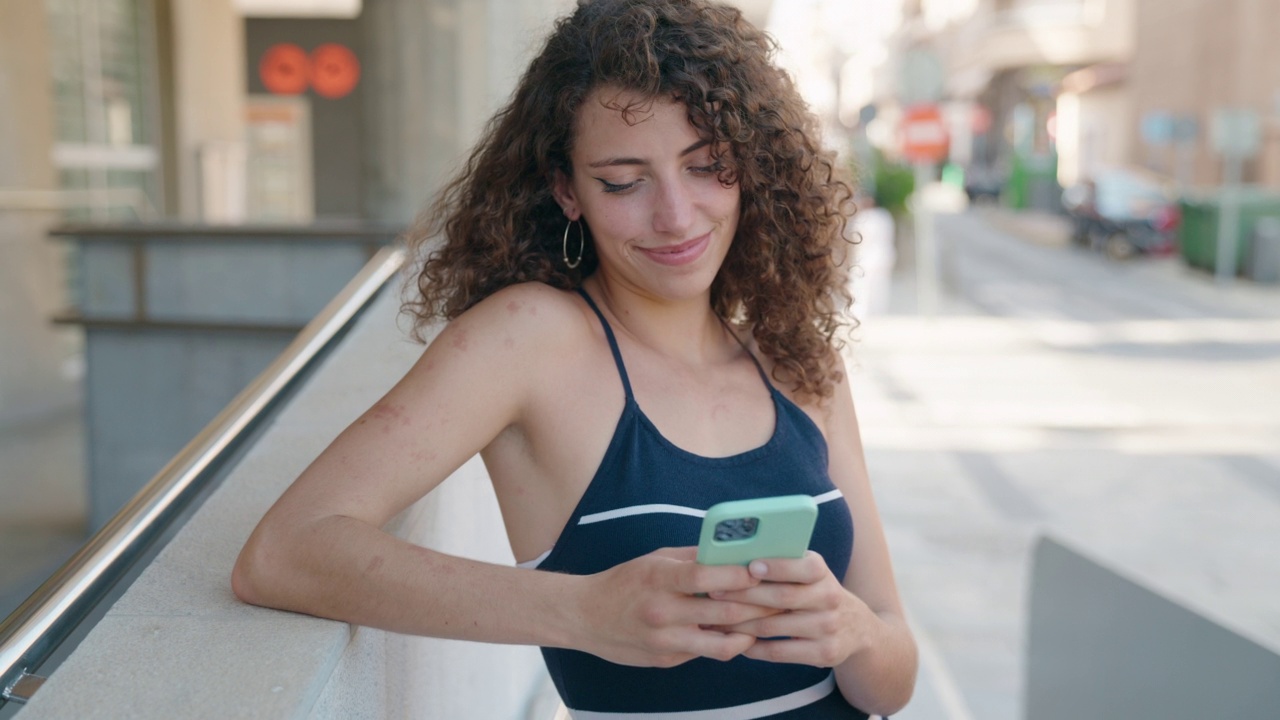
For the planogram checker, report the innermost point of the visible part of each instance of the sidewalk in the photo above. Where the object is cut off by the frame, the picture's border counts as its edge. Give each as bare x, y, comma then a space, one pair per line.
1034, 226
1156, 438
1052, 230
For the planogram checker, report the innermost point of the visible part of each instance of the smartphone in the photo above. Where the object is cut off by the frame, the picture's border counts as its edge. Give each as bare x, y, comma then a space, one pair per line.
739, 531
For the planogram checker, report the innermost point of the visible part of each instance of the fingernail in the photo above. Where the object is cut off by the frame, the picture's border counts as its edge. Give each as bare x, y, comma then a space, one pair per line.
758, 568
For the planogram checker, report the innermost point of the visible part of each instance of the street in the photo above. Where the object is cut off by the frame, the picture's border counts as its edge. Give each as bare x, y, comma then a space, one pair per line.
1133, 406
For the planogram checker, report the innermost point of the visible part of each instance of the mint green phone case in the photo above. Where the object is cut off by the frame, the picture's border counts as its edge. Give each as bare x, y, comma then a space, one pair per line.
783, 525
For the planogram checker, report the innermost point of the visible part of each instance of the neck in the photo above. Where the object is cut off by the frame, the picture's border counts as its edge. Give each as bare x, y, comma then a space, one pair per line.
686, 329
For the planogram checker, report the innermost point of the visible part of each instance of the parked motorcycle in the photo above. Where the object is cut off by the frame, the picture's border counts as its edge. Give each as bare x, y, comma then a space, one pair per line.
1123, 212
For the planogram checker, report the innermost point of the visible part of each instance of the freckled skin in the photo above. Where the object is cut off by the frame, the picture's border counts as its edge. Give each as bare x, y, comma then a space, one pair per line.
459, 340
513, 307
389, 413
383, 410
423, 457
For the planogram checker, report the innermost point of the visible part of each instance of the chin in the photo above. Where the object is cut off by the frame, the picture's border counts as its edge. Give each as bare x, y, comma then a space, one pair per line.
696, 283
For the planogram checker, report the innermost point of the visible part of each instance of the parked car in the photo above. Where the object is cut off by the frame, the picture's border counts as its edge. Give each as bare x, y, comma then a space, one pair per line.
1123, 212
983, 184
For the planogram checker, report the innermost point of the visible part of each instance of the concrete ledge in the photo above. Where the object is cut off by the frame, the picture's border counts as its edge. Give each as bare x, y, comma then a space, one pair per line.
1102, 642
178, 643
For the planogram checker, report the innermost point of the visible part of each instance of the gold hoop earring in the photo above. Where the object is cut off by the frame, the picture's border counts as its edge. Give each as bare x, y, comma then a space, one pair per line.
582, 243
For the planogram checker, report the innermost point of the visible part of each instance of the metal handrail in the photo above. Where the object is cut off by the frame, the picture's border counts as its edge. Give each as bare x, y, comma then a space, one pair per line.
32, 632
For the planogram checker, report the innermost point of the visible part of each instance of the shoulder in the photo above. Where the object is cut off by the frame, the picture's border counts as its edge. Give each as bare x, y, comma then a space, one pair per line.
518, 325
500, 352
519, 303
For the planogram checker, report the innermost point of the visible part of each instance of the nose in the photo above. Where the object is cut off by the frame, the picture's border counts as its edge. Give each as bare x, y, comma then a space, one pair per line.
673, 210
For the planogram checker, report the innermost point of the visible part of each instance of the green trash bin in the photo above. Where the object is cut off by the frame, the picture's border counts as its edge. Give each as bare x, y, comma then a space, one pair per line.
1198, 234
1033, 183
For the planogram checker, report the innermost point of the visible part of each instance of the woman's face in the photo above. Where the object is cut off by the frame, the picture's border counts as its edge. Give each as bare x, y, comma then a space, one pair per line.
661, 220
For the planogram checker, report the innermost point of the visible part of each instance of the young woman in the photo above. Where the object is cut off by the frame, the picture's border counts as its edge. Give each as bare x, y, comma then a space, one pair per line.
637, 268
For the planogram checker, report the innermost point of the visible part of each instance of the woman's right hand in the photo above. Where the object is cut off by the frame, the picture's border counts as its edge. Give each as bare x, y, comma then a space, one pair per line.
647, 612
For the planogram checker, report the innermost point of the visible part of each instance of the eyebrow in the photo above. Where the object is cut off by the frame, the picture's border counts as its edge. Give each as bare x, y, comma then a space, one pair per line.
637, 161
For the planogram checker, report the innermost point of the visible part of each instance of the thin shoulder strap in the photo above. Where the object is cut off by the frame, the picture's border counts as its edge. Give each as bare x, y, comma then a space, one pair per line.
759, 368
613, 344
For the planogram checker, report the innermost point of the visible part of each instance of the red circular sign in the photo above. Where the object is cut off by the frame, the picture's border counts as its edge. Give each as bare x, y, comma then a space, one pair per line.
284, 69
334, 71
924, 135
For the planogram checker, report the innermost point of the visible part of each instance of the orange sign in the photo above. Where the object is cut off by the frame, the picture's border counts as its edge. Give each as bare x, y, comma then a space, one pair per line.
284, 69
924, 135
334, 71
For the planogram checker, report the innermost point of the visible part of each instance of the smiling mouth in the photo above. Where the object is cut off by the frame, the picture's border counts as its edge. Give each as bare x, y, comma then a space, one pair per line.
679, 254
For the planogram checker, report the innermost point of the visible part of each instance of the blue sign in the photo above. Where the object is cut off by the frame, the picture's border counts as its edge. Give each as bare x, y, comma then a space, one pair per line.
1157, 128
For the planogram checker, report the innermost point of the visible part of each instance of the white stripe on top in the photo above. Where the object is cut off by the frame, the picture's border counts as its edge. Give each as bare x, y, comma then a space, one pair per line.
651, 509
534, 562
675, 509
762, 708
640, 510
828, 496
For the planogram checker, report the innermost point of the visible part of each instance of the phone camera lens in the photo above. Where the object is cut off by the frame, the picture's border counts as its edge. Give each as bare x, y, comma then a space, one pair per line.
736, 529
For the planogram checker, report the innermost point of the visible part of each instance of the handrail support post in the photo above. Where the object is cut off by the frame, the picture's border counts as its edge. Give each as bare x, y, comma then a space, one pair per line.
22, 690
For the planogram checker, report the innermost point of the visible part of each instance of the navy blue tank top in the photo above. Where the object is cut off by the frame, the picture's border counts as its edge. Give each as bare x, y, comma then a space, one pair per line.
649, 494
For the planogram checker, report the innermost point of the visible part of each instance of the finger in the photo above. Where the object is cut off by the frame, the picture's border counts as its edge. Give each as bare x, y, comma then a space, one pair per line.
703, 611
798, 652
809, 569
799, 626
682, 611
677, 553
693, 578
746, 625
779, 595
718, 645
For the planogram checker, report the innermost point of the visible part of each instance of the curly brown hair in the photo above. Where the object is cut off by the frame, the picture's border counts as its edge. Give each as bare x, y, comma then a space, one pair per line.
500, 224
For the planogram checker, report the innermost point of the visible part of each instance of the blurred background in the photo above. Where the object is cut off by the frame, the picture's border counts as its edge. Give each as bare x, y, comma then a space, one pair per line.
1067, 358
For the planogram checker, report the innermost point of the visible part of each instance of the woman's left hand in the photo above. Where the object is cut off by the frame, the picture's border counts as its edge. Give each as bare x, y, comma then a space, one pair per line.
821, 622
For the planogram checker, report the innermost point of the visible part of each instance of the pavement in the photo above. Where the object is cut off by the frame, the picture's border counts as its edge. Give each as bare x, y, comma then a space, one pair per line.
1133, 407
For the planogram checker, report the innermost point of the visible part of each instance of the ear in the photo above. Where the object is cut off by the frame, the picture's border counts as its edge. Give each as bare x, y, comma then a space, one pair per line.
562, 191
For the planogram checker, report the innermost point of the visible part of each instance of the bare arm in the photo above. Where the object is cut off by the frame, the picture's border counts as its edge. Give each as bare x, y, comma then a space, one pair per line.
880, 675
320, 549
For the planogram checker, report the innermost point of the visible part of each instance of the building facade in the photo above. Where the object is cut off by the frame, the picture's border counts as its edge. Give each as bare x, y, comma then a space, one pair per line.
1074, 86
1193, 58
